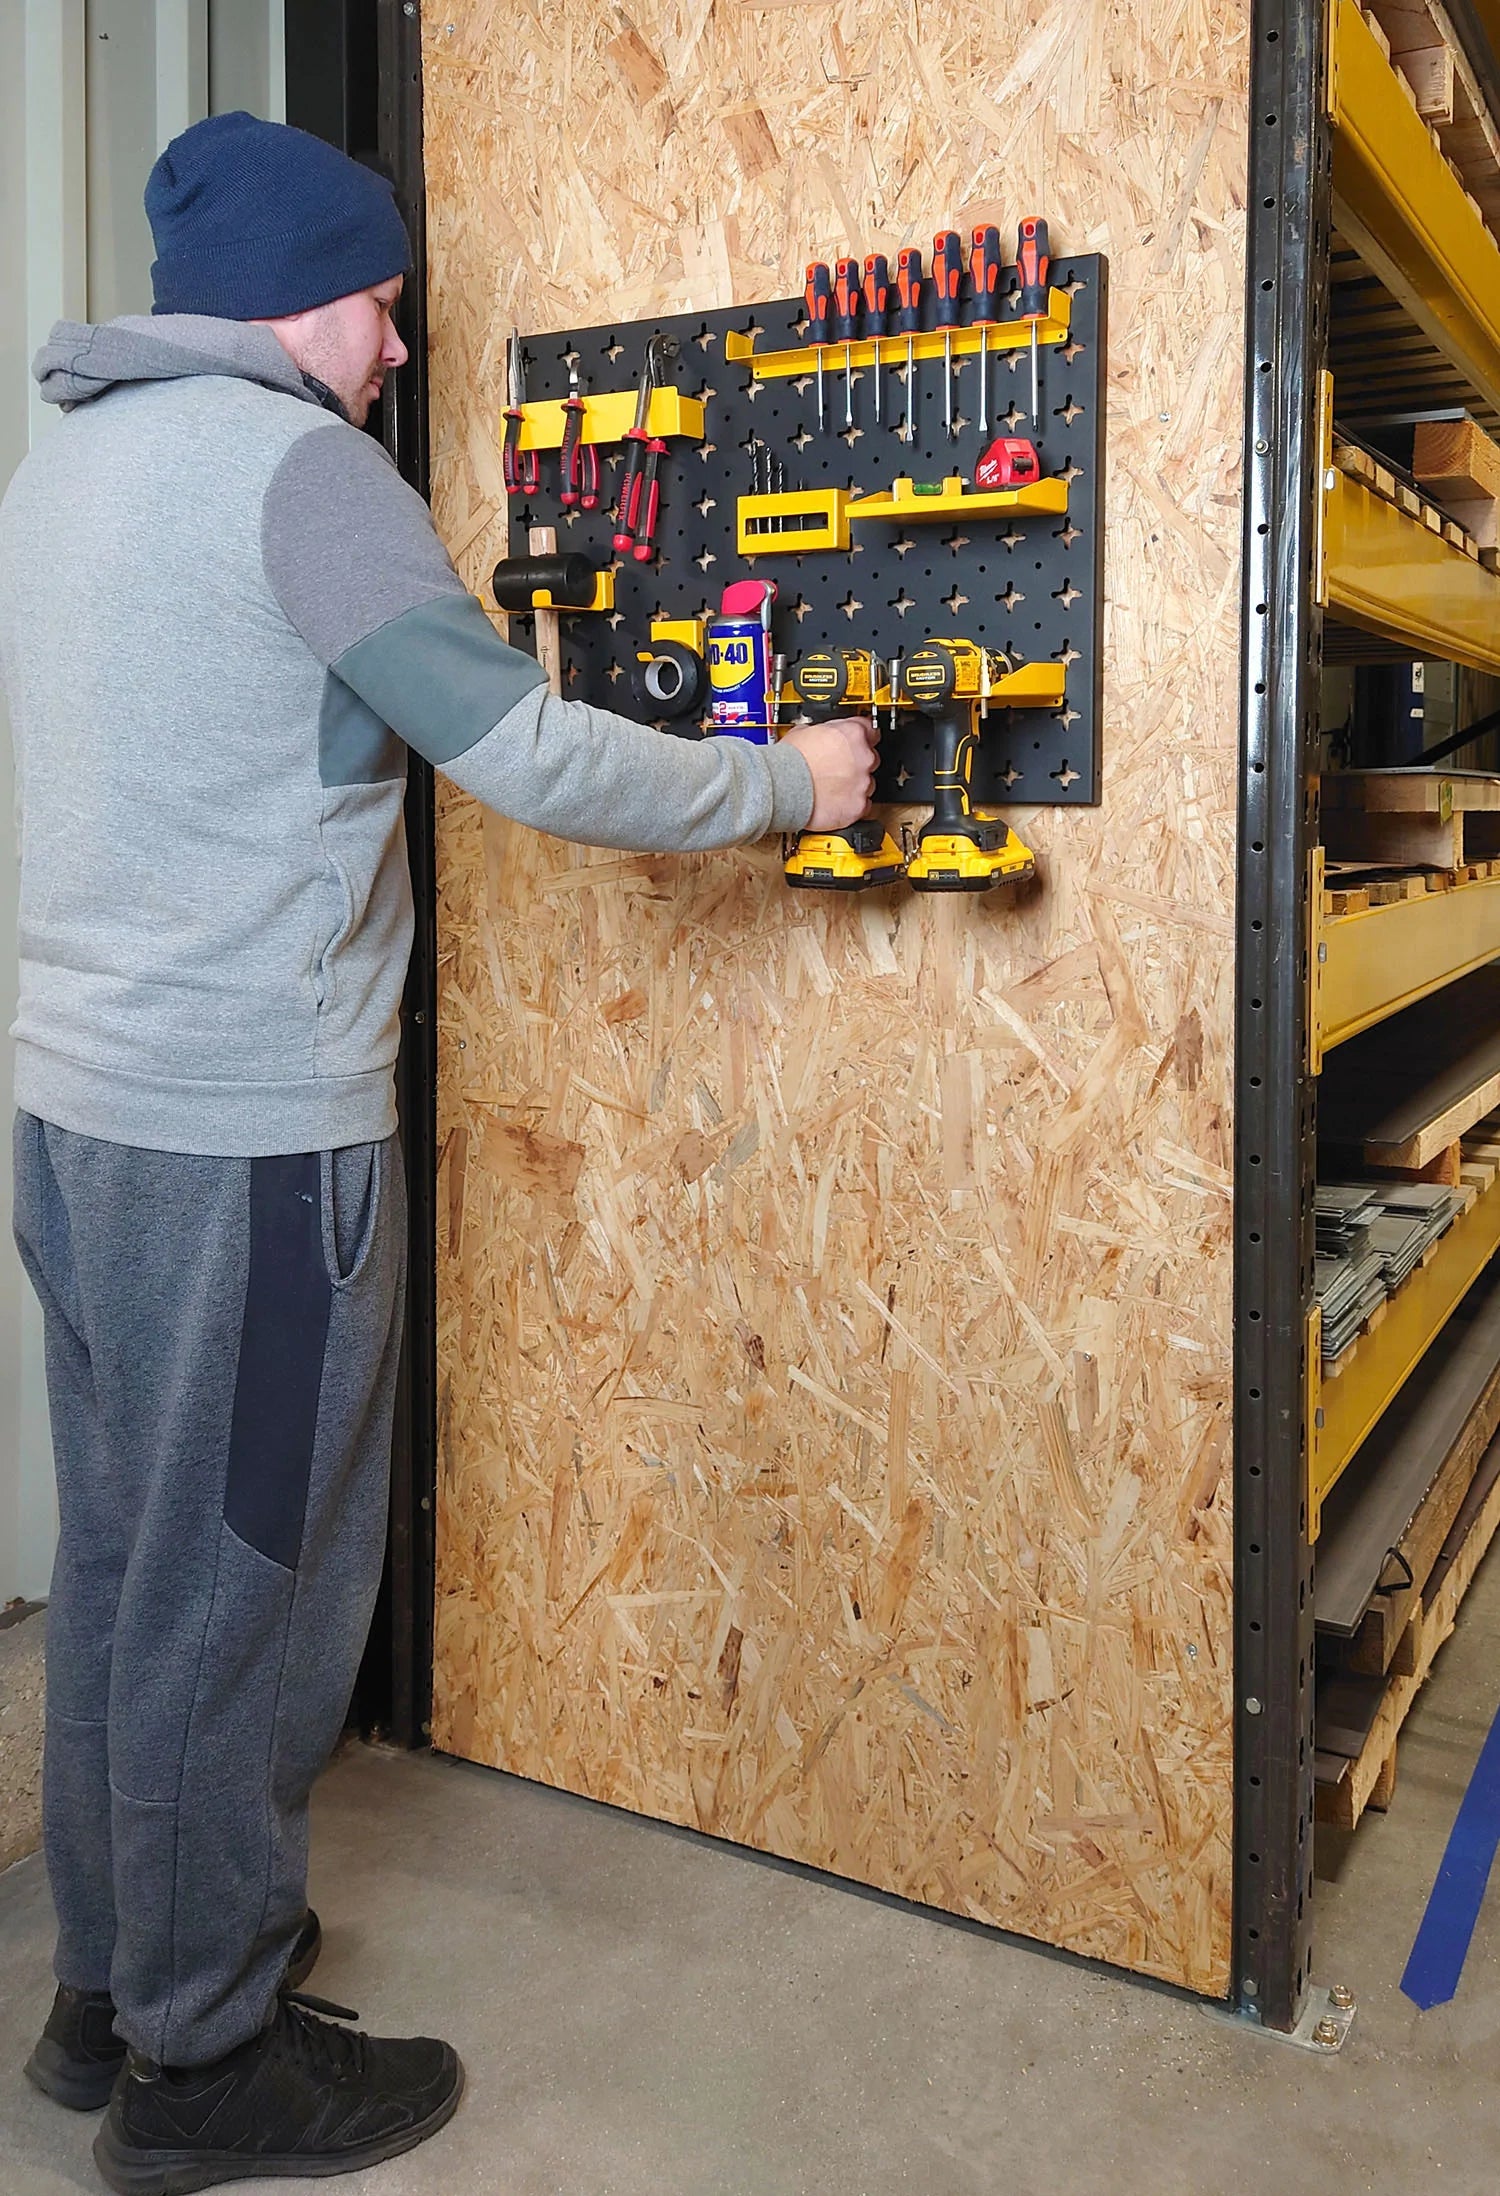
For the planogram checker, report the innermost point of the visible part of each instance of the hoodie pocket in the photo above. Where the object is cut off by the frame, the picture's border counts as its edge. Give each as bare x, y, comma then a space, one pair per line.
325, 963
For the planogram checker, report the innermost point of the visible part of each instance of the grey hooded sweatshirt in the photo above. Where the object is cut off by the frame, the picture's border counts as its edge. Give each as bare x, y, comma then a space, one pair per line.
222, 613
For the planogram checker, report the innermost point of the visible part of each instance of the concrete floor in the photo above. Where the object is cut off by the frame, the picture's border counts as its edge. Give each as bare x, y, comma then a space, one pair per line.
645, 2014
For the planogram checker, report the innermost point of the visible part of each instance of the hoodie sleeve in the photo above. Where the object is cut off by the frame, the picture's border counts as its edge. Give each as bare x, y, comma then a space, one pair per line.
353, 559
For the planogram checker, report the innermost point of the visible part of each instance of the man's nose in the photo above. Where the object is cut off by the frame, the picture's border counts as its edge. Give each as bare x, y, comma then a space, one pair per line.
393, 351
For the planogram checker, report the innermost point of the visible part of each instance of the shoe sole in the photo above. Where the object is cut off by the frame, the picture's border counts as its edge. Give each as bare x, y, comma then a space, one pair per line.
131, 2172
58, 2075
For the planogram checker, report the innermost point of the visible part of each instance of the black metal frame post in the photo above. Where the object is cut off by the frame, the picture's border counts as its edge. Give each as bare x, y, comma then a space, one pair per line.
1286, 347
407, 1593
354, 76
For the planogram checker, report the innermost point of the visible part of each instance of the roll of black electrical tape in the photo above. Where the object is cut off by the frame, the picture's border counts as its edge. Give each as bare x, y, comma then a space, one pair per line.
671, 683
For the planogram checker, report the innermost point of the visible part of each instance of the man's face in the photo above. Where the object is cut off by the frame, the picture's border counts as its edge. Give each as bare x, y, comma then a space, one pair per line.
351, 344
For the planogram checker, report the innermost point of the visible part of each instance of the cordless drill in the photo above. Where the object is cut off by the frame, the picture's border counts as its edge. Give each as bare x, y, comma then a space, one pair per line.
837, 682
959, 850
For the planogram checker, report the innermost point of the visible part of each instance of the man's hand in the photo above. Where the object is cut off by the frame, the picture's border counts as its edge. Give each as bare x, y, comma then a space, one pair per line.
841, 756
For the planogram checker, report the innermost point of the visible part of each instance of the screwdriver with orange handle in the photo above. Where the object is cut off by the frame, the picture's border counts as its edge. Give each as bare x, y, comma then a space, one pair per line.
1033, 266
817, 298
877, 295
947, 275
984, 283
908, 322
845, 324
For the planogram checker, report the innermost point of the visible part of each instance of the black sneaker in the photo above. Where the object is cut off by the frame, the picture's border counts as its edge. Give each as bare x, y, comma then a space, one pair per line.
78, 2053
301, 2098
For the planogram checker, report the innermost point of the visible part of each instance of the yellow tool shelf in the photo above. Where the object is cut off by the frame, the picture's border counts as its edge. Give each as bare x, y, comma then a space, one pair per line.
1346, 1405
608, 417
929, 343
1390, 574
1402, 208
904, 502
1371, 964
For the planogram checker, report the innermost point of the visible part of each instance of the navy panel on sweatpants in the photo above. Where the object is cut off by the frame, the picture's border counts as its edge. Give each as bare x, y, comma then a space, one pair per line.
283, 1332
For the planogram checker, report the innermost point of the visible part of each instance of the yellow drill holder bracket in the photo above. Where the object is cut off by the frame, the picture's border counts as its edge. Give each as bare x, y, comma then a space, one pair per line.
604, 598
686, 632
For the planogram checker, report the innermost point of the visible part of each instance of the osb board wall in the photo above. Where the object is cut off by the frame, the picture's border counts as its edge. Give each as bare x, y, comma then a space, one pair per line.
835, 1293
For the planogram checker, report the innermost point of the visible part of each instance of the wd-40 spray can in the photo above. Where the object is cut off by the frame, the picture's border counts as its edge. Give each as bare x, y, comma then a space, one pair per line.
739, 662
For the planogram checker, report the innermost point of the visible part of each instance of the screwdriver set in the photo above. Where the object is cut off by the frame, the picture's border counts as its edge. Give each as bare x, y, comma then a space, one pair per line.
904, 472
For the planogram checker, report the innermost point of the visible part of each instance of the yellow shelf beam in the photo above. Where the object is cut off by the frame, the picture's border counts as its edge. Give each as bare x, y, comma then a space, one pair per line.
1346, 1406
1391, 575
1371, 964
1404, 211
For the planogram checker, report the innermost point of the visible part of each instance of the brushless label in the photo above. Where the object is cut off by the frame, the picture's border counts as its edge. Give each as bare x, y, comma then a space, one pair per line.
822, 679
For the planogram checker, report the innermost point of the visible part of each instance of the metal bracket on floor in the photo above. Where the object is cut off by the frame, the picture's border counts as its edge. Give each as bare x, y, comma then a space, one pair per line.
1327, 2017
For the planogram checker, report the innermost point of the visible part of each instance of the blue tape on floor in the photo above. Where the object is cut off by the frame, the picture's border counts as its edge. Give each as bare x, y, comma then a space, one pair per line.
1442, 1946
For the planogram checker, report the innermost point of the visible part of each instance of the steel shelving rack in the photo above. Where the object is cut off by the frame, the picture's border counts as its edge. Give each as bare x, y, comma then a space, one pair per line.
1366, 251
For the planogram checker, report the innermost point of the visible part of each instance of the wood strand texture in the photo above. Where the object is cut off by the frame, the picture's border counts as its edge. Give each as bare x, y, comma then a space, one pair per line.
835, 1319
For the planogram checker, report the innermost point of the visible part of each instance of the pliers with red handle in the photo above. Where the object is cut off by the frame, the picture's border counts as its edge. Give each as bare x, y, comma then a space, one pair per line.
579, 463
522, 468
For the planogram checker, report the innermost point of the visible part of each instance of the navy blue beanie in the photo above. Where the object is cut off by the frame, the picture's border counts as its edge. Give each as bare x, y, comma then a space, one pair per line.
253, 220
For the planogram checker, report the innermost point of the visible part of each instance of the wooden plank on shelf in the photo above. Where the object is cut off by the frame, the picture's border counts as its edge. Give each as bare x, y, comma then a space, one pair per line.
1377, 31
1387, 891
1405, 1486
1341, 1800
1455, 457
1428, 56
1408, 791
1346, 1712
1460, 464
1403, 1092
1427, 72
1414, 840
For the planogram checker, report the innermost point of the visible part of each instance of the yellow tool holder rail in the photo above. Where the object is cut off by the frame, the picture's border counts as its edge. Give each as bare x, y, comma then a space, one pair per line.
1369, 965
1403, 209
1346, 1405
609, 416
1003, 335
1030, 686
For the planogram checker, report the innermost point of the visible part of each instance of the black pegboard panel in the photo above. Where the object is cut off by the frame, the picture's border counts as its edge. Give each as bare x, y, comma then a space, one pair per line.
1029, 585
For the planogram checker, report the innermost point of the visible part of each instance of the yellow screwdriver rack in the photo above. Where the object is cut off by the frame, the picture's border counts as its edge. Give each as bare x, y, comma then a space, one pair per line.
927, 343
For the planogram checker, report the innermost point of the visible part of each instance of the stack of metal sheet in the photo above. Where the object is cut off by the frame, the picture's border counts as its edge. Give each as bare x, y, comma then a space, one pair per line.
1370, 1238
1345, 1212
1349, 1290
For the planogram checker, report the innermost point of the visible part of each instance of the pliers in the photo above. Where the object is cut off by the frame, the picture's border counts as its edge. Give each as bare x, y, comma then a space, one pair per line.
579, 462
522, 468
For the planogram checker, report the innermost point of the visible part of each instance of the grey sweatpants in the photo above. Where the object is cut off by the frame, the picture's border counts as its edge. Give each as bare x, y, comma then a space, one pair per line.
221, 1345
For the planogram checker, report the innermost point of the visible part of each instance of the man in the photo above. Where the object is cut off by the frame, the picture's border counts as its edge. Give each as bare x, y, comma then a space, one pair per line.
222, 613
